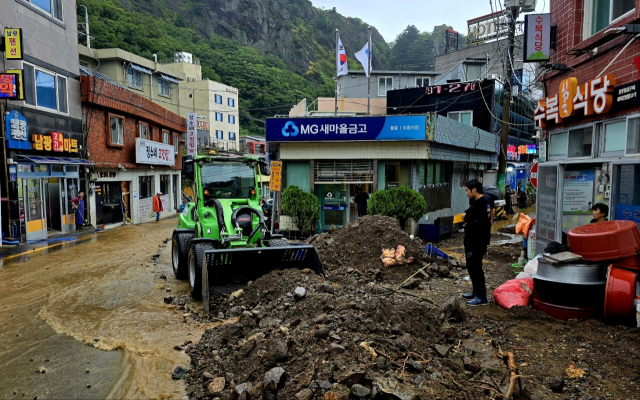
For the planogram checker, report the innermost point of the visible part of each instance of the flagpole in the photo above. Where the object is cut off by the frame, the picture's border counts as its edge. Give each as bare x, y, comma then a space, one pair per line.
369, 76
337, 63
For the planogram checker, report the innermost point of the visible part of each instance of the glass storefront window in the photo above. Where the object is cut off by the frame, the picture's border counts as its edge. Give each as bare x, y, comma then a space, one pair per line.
580, 141
614, 136
558, 143
633, 136
627, 195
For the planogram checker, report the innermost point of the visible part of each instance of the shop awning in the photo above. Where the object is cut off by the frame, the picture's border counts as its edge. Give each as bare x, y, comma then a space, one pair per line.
168, 78
141, 69
55, 160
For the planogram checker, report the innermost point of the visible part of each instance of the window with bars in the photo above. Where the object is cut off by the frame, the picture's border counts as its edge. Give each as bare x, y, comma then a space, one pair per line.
353, 171
164, 87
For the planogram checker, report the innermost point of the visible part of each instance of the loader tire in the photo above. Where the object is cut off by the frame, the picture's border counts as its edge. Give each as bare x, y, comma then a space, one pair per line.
196, 256
277, 243
180, 253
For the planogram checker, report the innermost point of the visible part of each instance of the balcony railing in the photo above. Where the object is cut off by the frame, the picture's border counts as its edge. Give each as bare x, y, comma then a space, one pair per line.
437, 196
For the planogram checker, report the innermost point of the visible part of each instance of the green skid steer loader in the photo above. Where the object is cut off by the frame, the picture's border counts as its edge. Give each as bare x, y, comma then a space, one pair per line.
222, 237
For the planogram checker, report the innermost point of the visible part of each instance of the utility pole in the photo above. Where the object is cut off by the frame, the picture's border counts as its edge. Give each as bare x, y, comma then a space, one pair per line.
506, 100
335, 111
6, 168
368, 75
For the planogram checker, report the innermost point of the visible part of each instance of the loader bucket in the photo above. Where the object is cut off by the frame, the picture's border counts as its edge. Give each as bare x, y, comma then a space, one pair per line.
221, 267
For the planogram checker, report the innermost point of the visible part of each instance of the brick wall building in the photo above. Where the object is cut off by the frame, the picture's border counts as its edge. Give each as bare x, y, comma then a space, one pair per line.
135, 146
590, 117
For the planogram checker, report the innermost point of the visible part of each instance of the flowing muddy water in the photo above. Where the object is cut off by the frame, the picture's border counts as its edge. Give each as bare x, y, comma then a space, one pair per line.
92, 315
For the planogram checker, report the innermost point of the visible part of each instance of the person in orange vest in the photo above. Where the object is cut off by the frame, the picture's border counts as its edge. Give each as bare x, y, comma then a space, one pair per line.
157, 206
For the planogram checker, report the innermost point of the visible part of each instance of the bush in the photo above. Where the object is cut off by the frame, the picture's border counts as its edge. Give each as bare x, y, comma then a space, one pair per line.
399, 203
303, 207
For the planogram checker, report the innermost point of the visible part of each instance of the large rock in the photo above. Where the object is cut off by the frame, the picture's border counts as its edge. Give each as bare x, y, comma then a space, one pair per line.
275, 376
304, 394
360, 391
404, 342
216, 386
299, 293
453, 311
390, 387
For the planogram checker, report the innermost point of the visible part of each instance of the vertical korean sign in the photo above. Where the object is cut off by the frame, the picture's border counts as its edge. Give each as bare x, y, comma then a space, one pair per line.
13, 43
191, 135
275, 180
537, 37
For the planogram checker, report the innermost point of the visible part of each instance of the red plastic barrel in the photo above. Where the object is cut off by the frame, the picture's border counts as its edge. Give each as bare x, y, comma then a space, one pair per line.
621, 291
607, 240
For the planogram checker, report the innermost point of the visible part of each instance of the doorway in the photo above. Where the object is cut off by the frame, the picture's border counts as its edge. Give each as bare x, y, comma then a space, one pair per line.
53, 201
34, 204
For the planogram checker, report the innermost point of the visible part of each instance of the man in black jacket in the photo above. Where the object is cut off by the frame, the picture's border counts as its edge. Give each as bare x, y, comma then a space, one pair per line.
477, 234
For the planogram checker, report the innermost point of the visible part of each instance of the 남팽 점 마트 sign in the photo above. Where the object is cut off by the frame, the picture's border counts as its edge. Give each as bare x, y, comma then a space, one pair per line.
346, 129
155, 153
537, 37
55, 141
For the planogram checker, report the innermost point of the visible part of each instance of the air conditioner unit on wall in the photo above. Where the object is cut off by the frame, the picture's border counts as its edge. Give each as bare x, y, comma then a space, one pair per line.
528, 5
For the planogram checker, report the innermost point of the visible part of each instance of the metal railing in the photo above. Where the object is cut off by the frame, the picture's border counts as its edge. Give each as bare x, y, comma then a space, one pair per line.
437, 196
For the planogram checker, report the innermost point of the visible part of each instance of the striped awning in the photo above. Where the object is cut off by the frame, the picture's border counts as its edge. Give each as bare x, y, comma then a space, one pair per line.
141, 69
55, 160
168, 78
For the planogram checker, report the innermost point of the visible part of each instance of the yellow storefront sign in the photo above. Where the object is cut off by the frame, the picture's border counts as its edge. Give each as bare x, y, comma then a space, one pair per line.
13, 43
275, 184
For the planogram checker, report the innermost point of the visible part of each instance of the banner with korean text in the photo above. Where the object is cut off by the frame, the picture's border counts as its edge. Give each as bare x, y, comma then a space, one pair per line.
346, 129
537, 37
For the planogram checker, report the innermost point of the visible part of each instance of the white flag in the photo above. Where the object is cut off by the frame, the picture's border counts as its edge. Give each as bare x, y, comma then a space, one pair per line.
364, 56
341, 60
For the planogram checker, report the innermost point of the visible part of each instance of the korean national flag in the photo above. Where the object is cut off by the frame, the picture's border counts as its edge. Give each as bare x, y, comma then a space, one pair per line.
341, 60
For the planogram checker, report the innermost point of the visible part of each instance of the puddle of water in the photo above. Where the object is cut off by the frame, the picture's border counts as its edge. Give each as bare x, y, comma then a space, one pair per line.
102, 294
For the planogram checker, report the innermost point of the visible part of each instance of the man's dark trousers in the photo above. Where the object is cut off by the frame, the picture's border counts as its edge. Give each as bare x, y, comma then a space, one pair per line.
474, 257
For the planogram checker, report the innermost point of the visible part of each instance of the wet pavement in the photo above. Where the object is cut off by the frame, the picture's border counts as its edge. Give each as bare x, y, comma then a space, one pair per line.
87, 319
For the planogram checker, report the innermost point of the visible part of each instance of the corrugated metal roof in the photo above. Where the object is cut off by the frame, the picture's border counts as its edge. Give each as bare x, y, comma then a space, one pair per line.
89, 72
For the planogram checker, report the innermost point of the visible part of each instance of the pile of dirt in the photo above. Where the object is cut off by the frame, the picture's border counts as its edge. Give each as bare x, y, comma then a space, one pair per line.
295, 335
357, 247
323, 340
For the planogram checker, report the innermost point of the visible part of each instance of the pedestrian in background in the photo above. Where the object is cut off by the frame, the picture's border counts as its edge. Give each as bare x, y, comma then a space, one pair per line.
361, 199
78, 205
157, 206
477, 234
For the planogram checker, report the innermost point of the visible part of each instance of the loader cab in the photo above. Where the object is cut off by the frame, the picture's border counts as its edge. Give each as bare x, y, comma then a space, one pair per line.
227, 179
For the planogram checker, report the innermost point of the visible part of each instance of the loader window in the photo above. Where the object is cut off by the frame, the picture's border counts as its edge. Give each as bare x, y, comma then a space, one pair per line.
227, 180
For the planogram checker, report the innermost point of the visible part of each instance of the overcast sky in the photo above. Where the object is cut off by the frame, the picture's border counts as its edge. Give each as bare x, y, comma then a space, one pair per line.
392, 17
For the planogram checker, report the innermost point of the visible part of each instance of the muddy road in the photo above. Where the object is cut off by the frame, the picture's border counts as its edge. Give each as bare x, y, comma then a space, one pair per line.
88, 320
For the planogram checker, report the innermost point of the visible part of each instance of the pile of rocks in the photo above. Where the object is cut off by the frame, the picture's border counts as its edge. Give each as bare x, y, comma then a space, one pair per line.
298, 337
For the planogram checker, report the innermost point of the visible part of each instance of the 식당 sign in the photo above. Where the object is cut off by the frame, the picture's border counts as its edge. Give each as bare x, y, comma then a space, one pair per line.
346, 129
593, 97
537, 37
155, 153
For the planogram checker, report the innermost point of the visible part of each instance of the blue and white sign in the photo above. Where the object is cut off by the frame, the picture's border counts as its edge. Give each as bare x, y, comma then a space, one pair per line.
16, 131
628, 212
346, 129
